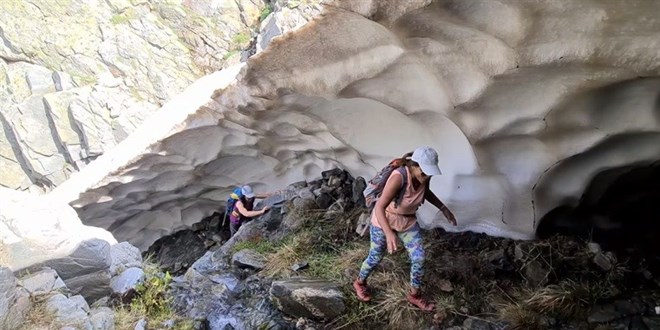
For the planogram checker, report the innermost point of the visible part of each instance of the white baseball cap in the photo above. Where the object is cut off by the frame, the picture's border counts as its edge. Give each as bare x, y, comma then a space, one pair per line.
247, 191
427, 158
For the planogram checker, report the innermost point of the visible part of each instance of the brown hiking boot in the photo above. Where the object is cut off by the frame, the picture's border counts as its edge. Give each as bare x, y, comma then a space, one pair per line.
361, 290
420, 302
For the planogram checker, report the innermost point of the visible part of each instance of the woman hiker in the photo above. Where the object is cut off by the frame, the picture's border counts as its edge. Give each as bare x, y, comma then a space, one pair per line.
243, 209
389, 221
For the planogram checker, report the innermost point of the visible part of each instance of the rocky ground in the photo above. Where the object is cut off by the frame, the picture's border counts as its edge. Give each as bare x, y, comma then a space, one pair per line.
292, 268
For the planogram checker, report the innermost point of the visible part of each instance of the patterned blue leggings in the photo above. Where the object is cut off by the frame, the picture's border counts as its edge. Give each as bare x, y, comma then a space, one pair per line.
412, 240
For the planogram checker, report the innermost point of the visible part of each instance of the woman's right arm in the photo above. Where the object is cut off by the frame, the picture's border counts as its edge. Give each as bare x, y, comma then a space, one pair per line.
244, 212
392, 187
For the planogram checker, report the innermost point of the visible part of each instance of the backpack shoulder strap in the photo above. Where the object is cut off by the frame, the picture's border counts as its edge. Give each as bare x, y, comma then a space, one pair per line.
404, 183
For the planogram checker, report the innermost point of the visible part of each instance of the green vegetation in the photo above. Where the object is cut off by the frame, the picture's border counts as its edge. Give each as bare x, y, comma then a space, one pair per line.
258, 244
151, 302
119, 19
229, 54
241, 38
265, 12
124, 17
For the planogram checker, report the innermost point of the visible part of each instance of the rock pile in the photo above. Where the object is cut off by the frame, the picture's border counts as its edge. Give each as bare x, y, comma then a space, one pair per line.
224, 287
63, 303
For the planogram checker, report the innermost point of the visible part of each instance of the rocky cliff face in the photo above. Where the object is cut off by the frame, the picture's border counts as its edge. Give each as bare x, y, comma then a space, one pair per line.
525, 100
78, 77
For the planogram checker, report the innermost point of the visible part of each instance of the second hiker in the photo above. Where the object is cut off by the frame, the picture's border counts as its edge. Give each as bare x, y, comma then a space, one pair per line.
394, 217
243, 208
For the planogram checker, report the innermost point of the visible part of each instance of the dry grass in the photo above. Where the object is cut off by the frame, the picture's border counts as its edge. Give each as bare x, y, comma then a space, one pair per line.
38, 317
480, 291
566, 298
519, 316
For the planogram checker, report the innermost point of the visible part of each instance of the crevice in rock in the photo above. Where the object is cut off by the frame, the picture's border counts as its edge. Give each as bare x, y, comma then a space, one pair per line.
20, 157
61, 148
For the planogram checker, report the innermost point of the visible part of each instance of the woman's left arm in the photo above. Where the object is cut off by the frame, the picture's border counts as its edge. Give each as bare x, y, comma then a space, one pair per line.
433, 199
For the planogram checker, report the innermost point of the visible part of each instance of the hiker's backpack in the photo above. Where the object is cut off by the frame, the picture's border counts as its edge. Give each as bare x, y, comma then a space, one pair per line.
376, 185
234, 197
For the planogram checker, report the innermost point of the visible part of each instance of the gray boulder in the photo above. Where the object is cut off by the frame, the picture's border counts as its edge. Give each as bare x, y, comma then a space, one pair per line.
124, 256
42, 282
7, 288
79, 254
308, 298
69, 311
248, 258
18, 310
126, 282
85, 271
102, 318
14, 301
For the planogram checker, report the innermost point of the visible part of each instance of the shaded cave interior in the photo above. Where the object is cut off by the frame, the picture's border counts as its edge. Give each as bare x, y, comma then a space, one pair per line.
619, 210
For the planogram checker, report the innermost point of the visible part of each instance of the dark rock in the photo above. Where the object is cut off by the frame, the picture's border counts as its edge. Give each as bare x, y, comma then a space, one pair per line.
603, 261
172, 257
637, 323
308, 298
215, 221
347, 177
324, 200
358, 187
652, 322
476, 324
248, 258
198, 226
92, 286
617, 310
272, 218
536, 273
330, 173
499, 260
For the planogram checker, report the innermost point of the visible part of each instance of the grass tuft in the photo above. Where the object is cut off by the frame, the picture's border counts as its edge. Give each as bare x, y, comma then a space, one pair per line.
38, 317
265, 12
151, 302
